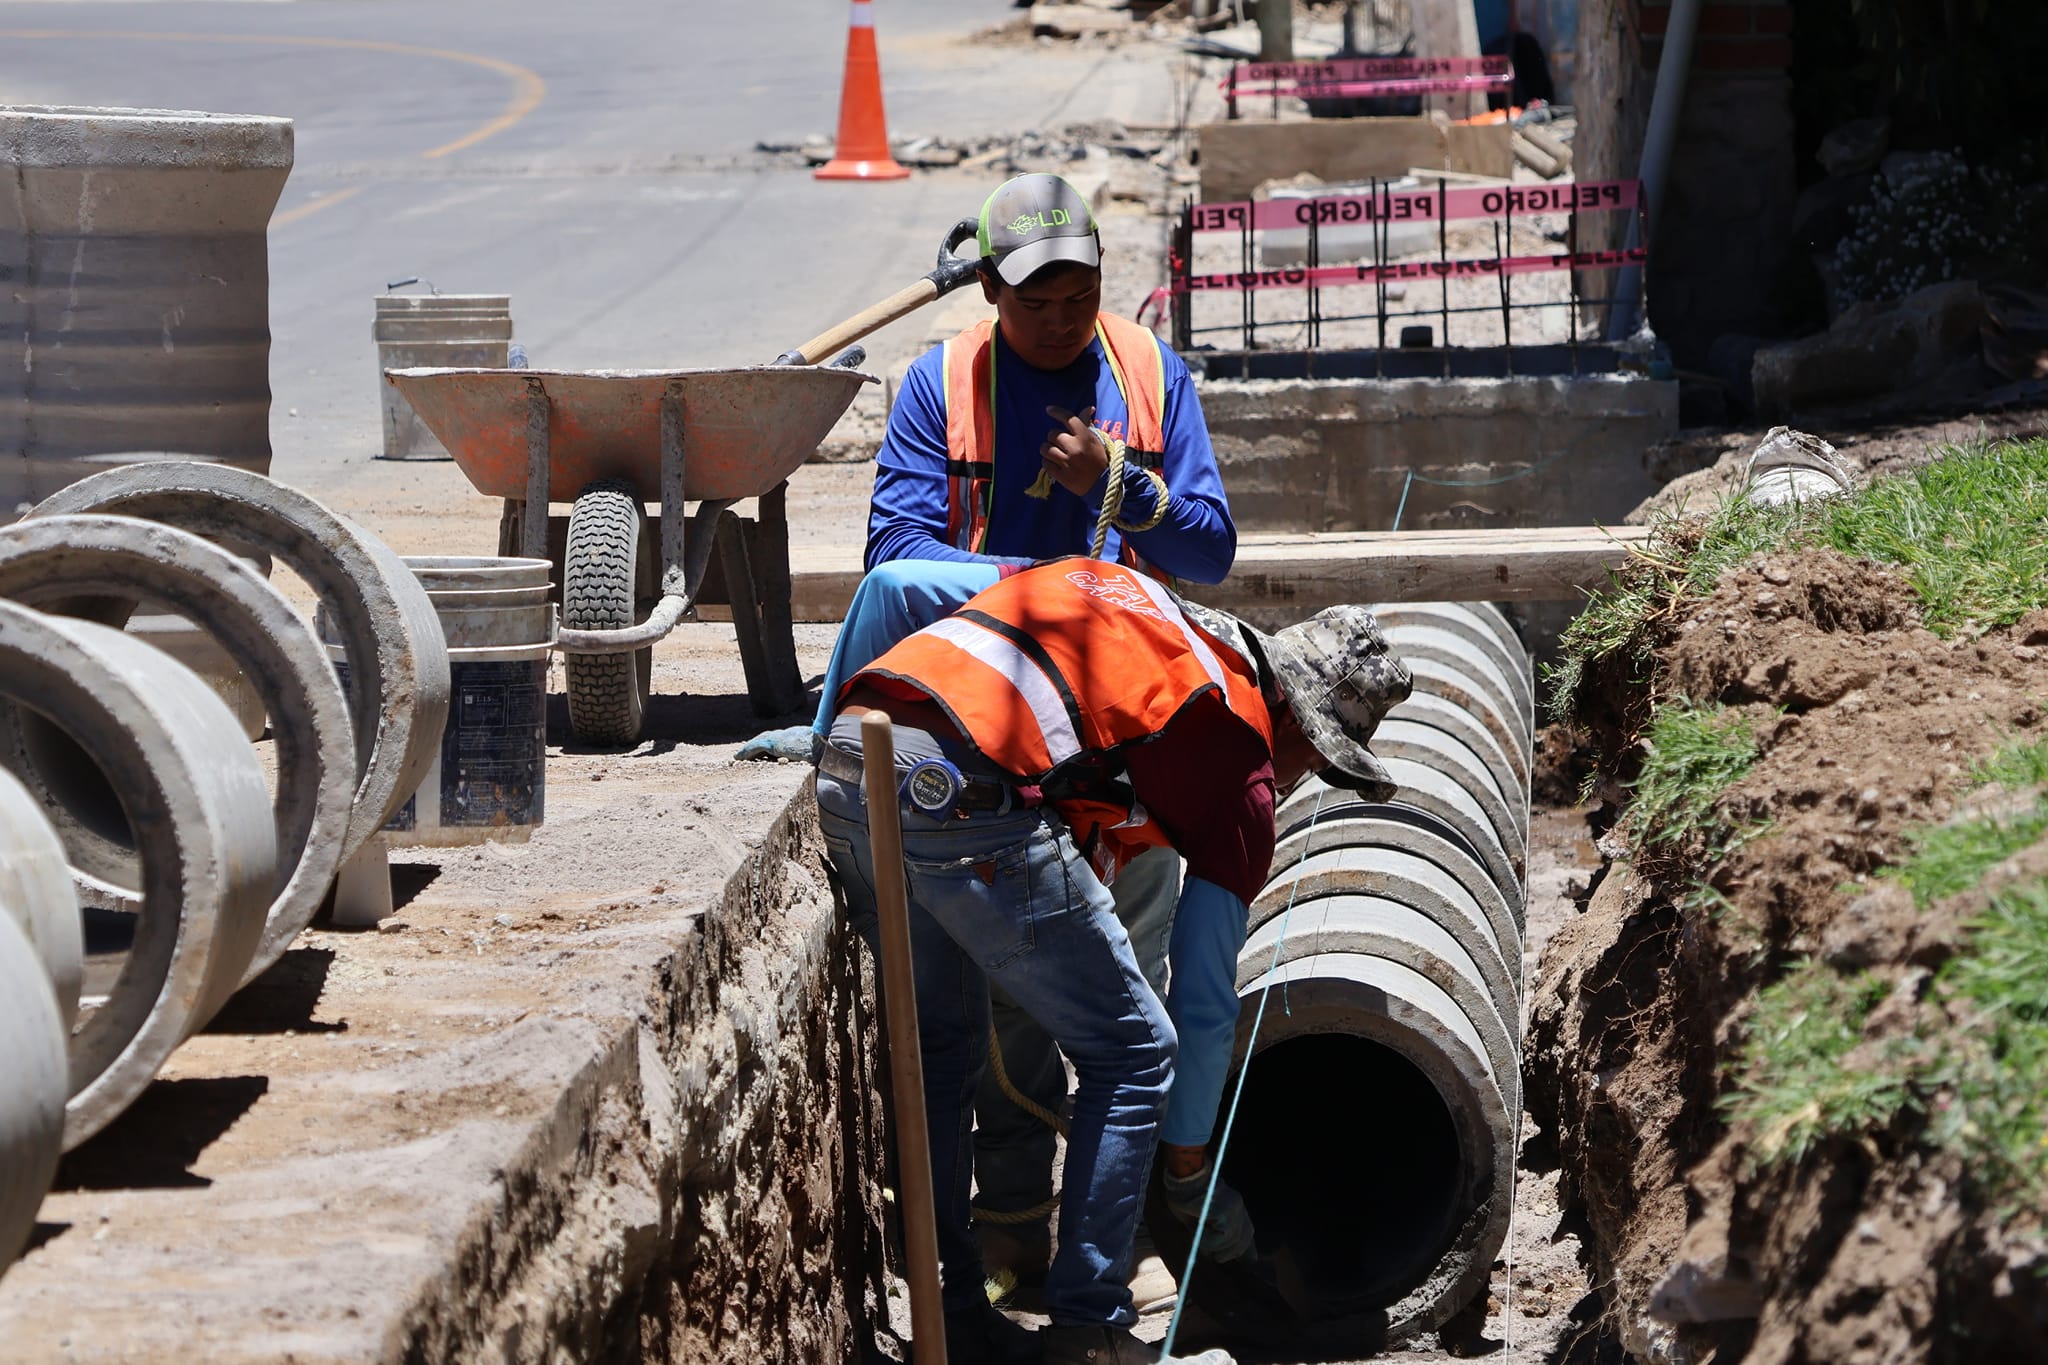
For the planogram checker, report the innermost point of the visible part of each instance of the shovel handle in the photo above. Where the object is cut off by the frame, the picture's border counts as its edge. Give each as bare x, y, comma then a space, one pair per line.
951, 272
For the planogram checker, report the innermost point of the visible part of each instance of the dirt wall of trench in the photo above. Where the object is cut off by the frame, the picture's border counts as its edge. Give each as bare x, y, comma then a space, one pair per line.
710, 1190
1872, 1247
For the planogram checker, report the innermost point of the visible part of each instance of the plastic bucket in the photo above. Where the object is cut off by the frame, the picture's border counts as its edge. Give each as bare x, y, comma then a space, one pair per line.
489, 781
434, 331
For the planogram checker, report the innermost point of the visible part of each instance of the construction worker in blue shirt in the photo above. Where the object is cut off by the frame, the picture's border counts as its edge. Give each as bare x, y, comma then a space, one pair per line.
999, 454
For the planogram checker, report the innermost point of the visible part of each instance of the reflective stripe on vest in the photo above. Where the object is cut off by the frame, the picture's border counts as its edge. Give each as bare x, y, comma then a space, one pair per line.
1065, 660
967, 368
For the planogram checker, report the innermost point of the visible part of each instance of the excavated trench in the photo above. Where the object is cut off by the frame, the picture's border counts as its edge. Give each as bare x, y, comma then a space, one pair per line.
1755, 1048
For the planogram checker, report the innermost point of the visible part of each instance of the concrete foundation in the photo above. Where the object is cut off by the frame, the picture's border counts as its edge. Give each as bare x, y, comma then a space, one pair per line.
1355, 455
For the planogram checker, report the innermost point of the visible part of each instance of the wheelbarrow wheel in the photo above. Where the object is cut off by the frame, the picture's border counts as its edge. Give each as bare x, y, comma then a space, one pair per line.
607, 692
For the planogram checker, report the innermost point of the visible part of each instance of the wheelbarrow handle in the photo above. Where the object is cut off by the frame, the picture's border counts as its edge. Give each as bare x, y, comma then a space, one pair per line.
949, 274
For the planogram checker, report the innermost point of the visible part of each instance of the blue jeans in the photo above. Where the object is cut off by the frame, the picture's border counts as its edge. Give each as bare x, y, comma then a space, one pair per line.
1008, 899
1013, 1149
893, 601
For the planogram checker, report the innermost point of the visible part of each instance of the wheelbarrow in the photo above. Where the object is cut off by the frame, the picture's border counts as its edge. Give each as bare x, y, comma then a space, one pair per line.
611, 441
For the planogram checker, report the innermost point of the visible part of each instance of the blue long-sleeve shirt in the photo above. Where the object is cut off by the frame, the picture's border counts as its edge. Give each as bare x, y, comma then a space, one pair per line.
1196, 540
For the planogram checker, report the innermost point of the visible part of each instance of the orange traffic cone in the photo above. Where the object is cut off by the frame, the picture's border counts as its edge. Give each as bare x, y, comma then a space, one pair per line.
863, 149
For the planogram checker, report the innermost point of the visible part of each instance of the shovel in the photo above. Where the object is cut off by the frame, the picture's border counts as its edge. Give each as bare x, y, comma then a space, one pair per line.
951, 272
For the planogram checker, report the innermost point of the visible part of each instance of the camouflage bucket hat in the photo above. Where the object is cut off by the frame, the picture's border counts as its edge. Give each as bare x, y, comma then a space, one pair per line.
1340, 681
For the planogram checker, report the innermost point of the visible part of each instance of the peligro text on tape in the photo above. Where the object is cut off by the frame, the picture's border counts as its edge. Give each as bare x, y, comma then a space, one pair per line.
1300, 277
1466, 202
1369, 68
1420, 85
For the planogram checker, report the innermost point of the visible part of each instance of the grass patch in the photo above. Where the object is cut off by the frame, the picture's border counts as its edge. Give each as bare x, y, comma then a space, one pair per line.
1995, 1074
1969, 531
1976, 1063
1693, 754
1793, 1086
1949, 859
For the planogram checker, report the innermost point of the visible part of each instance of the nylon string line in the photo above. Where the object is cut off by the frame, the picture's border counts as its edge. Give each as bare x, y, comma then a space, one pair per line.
1187, 1277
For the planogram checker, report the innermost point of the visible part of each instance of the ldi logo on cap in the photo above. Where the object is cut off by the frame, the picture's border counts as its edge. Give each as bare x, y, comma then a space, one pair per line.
1051, 218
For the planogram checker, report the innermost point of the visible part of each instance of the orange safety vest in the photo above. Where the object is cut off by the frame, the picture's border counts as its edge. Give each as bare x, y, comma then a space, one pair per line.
968, 365
1066, 662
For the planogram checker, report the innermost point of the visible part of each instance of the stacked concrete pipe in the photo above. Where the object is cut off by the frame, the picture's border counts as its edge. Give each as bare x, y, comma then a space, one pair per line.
40, 969
1376, 1138
127, 743
49, 561
397, 655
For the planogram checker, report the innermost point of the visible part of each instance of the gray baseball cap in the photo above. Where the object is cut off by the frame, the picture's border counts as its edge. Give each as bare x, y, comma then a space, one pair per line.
1034, 220
1340, 681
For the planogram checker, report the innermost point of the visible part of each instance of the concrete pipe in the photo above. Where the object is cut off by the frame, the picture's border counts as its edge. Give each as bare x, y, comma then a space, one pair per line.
398, 701
1399, 737
1471, 695
1374, 1146
1420, 833
1357, 851
1481, 626
1434, 644
35, 887
1440, 794
46, 560
1508, 764
133, 243
169, 755
32, 1099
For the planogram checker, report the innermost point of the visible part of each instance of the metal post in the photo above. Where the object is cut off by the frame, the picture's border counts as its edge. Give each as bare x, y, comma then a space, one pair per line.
674, 524
913, 1145
533, 518
1276, 30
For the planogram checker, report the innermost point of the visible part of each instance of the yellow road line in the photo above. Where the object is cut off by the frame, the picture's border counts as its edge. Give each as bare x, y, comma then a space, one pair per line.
313, 206
529, 89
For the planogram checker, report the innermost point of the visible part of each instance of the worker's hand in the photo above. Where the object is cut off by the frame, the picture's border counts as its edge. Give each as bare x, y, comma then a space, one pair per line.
1074, 452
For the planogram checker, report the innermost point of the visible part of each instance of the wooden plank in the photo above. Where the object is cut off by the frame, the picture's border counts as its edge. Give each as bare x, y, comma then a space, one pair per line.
1282, 578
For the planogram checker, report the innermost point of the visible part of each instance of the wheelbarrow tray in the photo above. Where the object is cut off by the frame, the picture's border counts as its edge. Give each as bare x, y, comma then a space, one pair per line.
744, 430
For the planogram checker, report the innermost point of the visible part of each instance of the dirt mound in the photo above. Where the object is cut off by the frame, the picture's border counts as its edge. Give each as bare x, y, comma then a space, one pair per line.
1866, 728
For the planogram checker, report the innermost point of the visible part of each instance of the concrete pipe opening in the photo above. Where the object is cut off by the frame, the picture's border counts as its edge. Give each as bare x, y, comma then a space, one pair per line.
1373, 1149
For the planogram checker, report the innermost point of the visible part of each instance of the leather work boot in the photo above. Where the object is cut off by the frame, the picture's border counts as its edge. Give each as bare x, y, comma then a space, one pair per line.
980, 1333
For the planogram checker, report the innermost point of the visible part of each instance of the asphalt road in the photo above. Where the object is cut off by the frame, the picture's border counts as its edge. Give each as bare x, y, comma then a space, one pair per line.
593, 161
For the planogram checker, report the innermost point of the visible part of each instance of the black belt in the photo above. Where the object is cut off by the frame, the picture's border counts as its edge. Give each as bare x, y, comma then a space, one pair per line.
976, 794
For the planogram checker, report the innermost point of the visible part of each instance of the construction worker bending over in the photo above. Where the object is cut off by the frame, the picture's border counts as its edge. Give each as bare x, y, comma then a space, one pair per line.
1065, 720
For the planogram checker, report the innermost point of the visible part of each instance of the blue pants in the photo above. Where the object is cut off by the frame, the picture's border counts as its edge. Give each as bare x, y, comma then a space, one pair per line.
895, 600
1008, 899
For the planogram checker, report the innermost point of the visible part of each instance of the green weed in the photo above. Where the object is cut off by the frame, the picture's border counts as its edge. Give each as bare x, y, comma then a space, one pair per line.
1792, 1085
1693, 754
1951, 858
1994, 1066
1969, 531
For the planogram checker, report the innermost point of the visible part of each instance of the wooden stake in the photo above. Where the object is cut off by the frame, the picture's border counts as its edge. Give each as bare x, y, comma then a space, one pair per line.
913, 1147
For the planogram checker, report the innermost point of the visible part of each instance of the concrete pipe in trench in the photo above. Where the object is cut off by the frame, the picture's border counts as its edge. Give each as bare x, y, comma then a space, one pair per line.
48, 561
169, 763
398, 658
1375, 1141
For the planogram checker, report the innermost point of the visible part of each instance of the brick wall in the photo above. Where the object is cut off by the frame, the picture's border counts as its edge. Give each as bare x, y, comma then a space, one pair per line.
1723, 238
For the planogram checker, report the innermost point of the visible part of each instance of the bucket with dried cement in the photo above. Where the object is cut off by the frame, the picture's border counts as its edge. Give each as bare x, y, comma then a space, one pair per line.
489, 781
434, 331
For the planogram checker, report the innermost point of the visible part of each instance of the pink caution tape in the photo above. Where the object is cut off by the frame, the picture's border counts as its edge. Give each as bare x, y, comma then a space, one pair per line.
1325, 276
1417, 205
